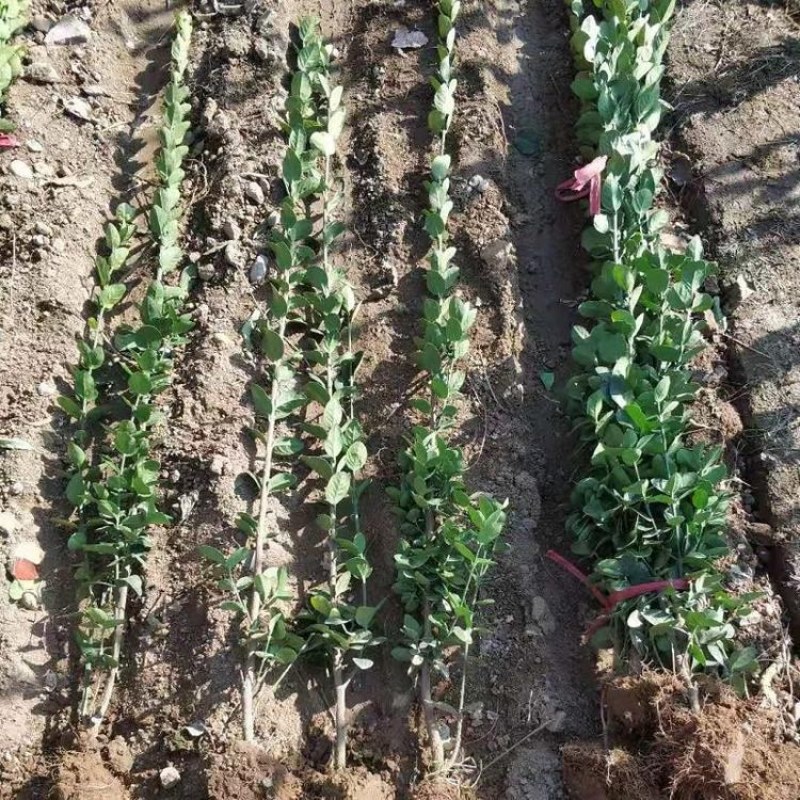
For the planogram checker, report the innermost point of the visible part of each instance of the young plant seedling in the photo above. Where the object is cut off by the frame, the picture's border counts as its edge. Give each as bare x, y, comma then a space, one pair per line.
448, 536
114, 479
338, 621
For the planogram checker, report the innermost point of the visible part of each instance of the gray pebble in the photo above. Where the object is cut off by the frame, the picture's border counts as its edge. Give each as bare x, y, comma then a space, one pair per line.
258, 272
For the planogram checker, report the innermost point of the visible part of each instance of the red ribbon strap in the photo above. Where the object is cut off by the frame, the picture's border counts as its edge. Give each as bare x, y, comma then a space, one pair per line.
610, 601
585, 182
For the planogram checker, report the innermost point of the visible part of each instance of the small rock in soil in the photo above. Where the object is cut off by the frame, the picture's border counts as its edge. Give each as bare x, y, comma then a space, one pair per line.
21, 169
258, 272
42, 72
41, 24
206, 271
30, 551
45, 230
254, 192
232, 230
79, 108
217, 465
498, 252
29, 601
234, 254
169, 777
404, 39
68, 30
34, 146
8, 523
119, 756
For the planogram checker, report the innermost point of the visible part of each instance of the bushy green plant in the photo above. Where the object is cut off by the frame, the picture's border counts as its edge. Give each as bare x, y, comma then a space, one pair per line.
652, 506
448, 536
114, 478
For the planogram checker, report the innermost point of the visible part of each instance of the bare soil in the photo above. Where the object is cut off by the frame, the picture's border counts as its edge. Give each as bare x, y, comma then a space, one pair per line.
521, 265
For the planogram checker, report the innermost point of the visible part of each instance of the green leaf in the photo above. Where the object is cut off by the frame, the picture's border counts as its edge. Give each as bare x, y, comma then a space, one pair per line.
271, 345
139, 383
212, 554
261, 400
365, 615
324, 142
338, 488
15, 444
528, 142
320, 465
547, 379
69, 406
356, 456
281, 481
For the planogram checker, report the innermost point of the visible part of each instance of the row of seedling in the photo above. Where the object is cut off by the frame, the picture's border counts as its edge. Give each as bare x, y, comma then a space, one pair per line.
448, 536
650, 513
305, 415
121, 371
306, 426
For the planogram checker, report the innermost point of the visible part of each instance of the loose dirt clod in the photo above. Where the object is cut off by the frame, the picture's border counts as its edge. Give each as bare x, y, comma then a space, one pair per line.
83, 776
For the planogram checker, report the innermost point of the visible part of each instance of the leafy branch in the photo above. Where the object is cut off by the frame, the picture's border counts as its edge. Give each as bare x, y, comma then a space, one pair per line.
114, 479
448, 537
338, 621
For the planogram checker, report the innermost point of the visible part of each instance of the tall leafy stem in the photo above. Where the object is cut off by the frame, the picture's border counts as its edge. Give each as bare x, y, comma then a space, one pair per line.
447, 535
652, 506
258, 594
114, 479
338, 622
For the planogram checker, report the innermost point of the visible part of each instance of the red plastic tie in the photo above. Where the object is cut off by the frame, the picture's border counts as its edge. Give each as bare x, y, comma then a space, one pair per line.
7, 140
610, 601
585, 182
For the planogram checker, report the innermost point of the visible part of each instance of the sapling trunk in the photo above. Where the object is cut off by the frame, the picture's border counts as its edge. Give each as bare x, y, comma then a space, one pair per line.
431, 721
120, 616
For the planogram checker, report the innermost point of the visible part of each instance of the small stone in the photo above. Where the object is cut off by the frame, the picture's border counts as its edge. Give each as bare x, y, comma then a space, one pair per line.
16, 488
68, 30
59, 245
42, 72
21, 169
206, 271
8, 523
39, 240
41, 24
29, 601
43, 169
498, 252
273, 218
169, 777
258, 272
234, 254
232, 230
34, 146
28, 551
217, 465
79, 108
43, 228
254, 192
119, 756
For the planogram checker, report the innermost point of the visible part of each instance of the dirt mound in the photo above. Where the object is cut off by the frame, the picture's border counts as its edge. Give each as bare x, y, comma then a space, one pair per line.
353, 784
247, 772
730, 750
436, 790
592, 774
84, 776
